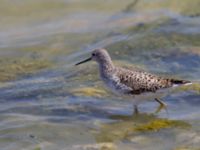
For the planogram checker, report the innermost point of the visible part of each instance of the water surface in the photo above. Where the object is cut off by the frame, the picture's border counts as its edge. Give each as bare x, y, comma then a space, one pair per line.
47, 103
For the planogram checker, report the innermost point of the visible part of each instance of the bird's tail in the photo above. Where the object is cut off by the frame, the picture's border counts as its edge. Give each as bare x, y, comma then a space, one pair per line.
179, 82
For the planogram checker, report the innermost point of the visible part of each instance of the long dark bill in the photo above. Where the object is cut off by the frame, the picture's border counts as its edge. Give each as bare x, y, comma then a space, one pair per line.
83, 61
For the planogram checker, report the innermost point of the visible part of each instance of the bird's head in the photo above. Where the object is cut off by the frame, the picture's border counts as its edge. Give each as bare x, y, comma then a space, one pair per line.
98, 55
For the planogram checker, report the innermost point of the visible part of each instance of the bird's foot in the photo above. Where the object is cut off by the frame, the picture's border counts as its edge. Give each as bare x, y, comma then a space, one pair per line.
162, 106
136, 111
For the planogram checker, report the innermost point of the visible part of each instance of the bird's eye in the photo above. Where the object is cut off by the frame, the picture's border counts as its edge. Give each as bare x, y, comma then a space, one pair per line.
93, 54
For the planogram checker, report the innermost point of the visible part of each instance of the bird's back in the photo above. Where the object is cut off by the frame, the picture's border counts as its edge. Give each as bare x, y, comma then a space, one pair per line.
140, 81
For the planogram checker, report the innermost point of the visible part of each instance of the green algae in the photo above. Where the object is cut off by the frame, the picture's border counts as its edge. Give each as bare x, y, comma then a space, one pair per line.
59, 44
159, 124
130, 125
32, 9
89, 91
42, 10
155, 42
186, 148
144, 37
186, 7
11, 69
37, 148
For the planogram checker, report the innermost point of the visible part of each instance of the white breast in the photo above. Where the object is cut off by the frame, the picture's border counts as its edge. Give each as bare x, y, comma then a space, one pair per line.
113, 83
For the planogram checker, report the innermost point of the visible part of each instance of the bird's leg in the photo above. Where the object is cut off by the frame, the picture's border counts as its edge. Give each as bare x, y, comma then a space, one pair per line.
162, 105
136, 111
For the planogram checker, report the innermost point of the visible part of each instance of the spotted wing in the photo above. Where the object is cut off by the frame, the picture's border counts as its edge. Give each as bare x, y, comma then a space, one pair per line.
141, 82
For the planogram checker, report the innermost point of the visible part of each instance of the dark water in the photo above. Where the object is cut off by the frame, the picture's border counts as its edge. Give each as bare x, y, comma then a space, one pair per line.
66, 107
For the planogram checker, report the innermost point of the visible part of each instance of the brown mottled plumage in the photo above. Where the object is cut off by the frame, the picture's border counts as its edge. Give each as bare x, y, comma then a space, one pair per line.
141, 82
129, 82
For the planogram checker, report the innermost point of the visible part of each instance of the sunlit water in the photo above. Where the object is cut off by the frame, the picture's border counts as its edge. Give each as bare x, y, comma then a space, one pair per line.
42, 111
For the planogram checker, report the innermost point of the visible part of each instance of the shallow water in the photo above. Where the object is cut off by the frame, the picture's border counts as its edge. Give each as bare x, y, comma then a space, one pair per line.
54, 105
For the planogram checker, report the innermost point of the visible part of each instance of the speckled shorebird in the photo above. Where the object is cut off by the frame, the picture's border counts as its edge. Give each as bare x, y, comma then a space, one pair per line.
131, 82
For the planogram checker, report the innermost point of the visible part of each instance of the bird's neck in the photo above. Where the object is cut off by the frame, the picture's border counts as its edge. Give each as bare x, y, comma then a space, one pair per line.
106, 68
